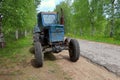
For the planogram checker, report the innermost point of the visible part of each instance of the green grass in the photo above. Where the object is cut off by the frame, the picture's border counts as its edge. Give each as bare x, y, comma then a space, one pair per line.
14, 47
97, 39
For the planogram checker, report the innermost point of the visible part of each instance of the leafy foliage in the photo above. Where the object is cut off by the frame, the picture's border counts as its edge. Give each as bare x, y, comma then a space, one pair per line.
67, 13
18, 14
92, 17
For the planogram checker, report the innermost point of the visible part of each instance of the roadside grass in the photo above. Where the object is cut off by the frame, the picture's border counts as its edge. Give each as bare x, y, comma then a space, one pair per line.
12, 51
12, 47
96, 39
16, 56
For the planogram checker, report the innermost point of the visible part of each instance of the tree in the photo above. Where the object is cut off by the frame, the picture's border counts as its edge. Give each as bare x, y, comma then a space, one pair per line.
89, 15
37, 2
92, 17
117, 20
20, 14
110, 12
66, 12
81, 16
96, 16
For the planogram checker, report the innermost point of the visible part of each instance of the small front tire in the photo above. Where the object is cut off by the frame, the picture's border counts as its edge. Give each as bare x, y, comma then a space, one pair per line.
38, 54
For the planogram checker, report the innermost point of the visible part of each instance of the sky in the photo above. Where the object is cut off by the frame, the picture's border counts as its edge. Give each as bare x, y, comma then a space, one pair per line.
48, 5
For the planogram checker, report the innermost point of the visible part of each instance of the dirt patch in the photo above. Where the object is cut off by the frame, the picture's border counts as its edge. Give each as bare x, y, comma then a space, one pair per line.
83, 69
56, 67
22, 69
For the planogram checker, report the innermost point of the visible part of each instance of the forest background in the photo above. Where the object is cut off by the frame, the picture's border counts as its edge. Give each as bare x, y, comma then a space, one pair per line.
88, 19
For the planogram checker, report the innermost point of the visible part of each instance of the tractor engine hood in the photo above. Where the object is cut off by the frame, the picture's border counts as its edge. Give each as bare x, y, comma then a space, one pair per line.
56, 28
56, 33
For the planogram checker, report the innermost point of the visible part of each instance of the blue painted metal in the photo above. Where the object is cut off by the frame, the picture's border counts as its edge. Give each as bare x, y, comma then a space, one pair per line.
56, 33
36, 29
42, 20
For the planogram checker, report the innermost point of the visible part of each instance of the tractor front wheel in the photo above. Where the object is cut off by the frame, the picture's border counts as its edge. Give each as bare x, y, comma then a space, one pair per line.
39, 56
74, 50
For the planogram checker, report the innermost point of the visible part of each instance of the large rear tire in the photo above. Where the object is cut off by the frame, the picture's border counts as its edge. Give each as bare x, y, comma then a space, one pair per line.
39, 56
74, 50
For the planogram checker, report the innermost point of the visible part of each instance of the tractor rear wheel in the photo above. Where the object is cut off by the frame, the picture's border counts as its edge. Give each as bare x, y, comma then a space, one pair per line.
39, 56
74, 50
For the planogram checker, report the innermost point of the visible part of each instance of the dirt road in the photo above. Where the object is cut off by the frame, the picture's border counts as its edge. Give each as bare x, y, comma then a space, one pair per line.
103, 54
83, 69
56, 67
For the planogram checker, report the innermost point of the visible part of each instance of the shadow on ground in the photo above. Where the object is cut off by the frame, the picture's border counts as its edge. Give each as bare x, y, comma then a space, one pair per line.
47, 57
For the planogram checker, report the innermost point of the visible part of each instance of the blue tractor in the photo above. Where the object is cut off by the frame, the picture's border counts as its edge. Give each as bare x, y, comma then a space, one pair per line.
49, 37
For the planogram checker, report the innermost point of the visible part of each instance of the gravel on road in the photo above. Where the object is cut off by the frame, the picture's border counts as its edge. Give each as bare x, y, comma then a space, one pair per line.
106, 55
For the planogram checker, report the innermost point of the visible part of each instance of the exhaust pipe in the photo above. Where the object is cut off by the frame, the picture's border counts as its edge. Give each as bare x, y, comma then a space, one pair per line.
62, 17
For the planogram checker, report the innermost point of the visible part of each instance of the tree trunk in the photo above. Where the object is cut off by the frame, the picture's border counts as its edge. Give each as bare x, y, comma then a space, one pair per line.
112, 19
16, 35
81, 32
25, 34
112, 29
